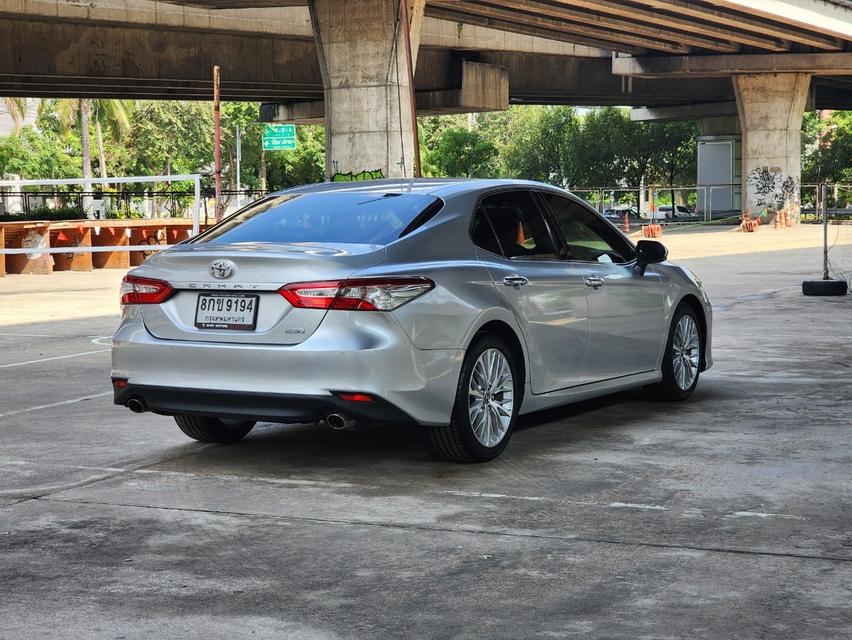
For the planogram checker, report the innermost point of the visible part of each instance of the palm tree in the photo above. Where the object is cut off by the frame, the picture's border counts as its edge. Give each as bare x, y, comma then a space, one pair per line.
114, 116
109, 114
70, 112
17, 109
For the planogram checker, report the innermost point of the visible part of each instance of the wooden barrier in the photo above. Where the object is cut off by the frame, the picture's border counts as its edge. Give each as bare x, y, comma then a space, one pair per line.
87, 233
27, 235
71, 234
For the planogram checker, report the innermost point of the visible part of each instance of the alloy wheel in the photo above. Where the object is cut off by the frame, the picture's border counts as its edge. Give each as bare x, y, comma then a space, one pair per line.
686, 352
491, 397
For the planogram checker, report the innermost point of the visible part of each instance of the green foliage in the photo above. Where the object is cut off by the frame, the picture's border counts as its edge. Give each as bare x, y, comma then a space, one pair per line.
46, 213
465, 154
827, 147
571, 147
40, 155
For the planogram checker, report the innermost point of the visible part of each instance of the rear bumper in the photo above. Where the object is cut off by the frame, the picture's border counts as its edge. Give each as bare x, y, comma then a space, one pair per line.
258, 406
368, 353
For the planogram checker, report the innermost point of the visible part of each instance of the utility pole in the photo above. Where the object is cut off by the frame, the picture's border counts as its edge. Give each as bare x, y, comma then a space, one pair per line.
409, 59
239, 159
217, 143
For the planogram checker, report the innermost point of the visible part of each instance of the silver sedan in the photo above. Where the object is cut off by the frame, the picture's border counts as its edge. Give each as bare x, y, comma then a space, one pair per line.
452, 305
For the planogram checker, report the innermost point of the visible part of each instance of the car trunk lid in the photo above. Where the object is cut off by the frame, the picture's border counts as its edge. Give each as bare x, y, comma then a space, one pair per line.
249, 274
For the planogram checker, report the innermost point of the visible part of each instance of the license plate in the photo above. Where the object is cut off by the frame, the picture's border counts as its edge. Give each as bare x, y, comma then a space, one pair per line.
233, 311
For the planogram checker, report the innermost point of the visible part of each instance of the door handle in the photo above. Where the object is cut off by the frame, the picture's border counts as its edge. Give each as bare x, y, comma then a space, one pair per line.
594, 282
515, 281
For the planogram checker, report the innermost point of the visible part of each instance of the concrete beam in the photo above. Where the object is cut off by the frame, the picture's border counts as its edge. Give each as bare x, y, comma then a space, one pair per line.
640, 22
828, 18
684, 112
742, 22
674, 25
484, 87
45, 58
823, 64
510, 17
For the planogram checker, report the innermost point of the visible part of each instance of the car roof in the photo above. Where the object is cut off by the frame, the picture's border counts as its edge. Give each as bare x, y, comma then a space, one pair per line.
438, 187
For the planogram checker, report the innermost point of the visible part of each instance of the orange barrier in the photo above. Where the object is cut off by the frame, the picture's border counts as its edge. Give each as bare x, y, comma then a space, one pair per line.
26, 235
71, 234
652, 230
86, 233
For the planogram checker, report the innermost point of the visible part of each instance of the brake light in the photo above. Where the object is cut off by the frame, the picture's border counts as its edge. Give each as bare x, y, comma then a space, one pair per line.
355, 397
136, 290
358, 294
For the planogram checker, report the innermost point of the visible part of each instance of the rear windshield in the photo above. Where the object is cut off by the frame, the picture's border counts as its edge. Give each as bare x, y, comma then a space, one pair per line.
360, 218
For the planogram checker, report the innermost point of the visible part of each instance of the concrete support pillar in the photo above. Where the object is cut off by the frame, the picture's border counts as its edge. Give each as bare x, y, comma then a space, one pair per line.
771, 106
361, 46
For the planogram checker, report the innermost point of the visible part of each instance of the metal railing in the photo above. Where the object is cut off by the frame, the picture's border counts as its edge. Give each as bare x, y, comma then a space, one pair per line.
715, 203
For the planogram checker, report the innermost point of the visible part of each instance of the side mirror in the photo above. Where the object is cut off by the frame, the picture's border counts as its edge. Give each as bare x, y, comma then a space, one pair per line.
649, 252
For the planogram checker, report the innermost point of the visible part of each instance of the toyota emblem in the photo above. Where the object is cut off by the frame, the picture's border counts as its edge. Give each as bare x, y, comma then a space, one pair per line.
222, 269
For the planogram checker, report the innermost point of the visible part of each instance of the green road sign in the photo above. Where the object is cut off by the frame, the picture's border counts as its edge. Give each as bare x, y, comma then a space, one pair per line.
279, 136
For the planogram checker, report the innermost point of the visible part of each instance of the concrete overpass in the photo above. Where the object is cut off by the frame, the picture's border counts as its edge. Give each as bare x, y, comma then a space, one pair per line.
345, 61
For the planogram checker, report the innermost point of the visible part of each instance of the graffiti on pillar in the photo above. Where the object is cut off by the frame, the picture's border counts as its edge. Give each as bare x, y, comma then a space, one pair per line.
771, 189
367, 174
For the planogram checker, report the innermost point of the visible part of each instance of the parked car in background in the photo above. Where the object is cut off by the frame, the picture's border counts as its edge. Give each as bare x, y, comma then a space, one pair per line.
616, 216
678, 213
450, 305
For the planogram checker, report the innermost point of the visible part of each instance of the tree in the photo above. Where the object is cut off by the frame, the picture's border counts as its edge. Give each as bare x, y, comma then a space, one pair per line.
464, 154
675, 160
17, 109
112, 115
71, 111
542, 144
827, 147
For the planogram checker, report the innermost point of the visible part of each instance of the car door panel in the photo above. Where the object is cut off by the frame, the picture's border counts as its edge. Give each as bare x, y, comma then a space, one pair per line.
546, 295
626, 322
626, 306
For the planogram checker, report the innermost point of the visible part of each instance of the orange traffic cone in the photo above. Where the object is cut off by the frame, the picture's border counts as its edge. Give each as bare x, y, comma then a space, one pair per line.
520, 238
626, 223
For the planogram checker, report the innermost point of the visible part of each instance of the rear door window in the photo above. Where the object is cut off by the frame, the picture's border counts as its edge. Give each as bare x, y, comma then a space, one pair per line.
329, 217
521, 229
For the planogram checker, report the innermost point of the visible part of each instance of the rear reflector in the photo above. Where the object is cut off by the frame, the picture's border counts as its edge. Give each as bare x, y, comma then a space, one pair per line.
136, 290
355, 397
361, 294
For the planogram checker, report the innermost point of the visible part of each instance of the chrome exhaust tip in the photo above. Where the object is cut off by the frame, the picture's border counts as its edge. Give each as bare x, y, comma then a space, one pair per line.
136, 405
339, 422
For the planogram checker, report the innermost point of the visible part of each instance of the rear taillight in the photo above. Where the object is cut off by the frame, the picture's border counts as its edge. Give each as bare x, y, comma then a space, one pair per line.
360, 294
136, 290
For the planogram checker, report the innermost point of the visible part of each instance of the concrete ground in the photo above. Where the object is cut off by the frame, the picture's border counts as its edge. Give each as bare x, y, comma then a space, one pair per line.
729, 516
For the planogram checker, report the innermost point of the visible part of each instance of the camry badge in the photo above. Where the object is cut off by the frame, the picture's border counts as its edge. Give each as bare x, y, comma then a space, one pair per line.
222, 269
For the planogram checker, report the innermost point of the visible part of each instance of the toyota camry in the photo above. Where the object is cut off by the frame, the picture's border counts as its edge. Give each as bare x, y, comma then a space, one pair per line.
451, 305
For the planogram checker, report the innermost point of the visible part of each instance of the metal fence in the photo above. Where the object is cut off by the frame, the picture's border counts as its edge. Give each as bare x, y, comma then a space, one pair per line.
125, 204
718, 203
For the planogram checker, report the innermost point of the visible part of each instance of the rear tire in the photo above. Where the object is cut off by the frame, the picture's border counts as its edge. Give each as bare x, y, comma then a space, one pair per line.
486, 408
213, 429
824, 287
678, 383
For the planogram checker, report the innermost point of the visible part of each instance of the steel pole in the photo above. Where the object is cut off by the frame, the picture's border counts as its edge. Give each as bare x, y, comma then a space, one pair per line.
217, 143
406, 23
239, 159
824, 193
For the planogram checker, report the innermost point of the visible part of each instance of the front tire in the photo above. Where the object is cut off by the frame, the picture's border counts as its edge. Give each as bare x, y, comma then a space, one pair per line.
213, 429
682, 359
487, 402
